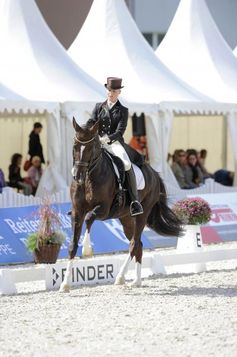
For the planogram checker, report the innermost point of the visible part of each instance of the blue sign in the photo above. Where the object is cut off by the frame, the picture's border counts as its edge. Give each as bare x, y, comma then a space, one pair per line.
18, 222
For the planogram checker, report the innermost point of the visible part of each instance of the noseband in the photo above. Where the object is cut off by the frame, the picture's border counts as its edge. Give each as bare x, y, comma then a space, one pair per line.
84, 142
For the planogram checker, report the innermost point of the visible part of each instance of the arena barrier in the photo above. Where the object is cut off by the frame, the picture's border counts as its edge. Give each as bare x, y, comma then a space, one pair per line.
103, 269
10, 198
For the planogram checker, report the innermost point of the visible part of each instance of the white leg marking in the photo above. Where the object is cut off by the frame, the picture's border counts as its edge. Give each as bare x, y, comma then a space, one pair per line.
65, 286
87, 250
120, 278
138, 279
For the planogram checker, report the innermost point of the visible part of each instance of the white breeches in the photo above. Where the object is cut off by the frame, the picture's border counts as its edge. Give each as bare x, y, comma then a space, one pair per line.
118, 150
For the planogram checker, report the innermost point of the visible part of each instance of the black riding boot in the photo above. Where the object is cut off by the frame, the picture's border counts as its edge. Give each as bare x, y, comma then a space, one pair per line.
135, 206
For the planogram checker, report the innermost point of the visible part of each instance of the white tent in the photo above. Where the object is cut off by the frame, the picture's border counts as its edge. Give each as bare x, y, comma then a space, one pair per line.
34, 65
195, 50
6, 93
110, 44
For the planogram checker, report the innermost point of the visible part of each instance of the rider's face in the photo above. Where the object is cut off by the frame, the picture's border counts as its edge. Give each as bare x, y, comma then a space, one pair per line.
113, 95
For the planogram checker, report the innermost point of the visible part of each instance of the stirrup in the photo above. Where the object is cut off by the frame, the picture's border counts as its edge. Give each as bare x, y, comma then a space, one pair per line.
135, 208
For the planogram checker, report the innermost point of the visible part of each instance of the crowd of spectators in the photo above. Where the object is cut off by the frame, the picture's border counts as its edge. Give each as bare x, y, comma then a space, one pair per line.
190, 171
27, 185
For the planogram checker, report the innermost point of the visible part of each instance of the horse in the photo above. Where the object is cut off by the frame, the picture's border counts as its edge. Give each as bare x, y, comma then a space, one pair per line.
94, 192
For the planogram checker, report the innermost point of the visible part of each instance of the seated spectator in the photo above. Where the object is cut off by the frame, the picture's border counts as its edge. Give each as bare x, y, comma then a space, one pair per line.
194, 174
15, 179
201, 162
224, 177
35, 173
2, 180
179, 168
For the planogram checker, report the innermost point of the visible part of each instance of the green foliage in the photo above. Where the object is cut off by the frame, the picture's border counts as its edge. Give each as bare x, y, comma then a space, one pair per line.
34, 240
49, 228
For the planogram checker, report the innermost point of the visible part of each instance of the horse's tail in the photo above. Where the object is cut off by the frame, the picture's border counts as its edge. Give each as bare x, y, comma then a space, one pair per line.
162, 219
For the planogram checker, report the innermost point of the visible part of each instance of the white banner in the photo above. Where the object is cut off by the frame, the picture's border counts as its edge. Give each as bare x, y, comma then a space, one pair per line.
84, 272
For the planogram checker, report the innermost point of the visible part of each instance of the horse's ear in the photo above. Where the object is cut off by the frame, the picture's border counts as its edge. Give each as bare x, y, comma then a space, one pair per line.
75, 125
95, 127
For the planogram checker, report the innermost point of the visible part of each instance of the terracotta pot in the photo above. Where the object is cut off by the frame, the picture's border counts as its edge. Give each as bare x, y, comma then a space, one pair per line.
47, 253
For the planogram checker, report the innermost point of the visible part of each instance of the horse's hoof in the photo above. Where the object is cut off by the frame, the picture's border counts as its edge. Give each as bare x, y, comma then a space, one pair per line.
64, 288
136, 283
87, 253
120, 280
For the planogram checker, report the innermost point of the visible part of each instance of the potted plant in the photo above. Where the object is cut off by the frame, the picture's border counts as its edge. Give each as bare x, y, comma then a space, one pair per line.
192, 212
45, 243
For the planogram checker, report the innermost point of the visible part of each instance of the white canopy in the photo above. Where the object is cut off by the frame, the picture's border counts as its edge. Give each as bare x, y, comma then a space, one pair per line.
6, 93
194, 49
235, 51
110, 44
33, 63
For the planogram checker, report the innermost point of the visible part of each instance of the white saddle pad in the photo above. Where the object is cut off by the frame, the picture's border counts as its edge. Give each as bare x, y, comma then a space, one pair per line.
139, 177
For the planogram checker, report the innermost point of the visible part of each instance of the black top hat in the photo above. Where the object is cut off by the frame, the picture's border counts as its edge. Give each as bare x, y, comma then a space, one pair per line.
113, 83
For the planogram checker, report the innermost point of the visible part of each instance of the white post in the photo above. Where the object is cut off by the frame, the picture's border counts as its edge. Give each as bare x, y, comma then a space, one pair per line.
7, 284
191, 242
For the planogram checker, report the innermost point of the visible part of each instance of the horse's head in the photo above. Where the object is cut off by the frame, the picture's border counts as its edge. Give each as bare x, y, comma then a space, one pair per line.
86, 149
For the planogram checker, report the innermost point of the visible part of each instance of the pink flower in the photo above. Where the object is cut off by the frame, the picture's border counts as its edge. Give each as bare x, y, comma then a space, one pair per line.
193, 210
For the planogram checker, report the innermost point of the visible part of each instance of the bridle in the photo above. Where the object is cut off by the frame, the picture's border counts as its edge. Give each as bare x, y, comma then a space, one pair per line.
90, 164
84, 142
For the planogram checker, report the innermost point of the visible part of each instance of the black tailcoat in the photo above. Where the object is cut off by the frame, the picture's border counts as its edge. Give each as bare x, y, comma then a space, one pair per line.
113, 122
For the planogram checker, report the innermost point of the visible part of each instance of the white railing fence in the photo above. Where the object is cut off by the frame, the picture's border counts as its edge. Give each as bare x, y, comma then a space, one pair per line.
210, 186
10, 198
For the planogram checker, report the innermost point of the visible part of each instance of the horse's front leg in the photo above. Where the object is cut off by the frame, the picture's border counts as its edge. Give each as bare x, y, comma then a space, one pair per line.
77, 222
97, 213
128, 224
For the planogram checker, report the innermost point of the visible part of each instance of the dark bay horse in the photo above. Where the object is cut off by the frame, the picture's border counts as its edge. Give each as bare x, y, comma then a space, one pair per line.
93, 192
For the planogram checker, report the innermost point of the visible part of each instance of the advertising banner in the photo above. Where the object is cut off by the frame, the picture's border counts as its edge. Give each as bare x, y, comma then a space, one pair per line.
84, 272
223, 224
18, 222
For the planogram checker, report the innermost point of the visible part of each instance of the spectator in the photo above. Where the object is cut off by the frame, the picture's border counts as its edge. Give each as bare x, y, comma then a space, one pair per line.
2, 180
179, 168
194, 174
35, 173
201, 162
139, 143
35, 147
15, 179
224, 177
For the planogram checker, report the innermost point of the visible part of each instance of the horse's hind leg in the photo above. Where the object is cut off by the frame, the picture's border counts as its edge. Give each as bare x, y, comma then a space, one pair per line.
129, 228
136, 249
